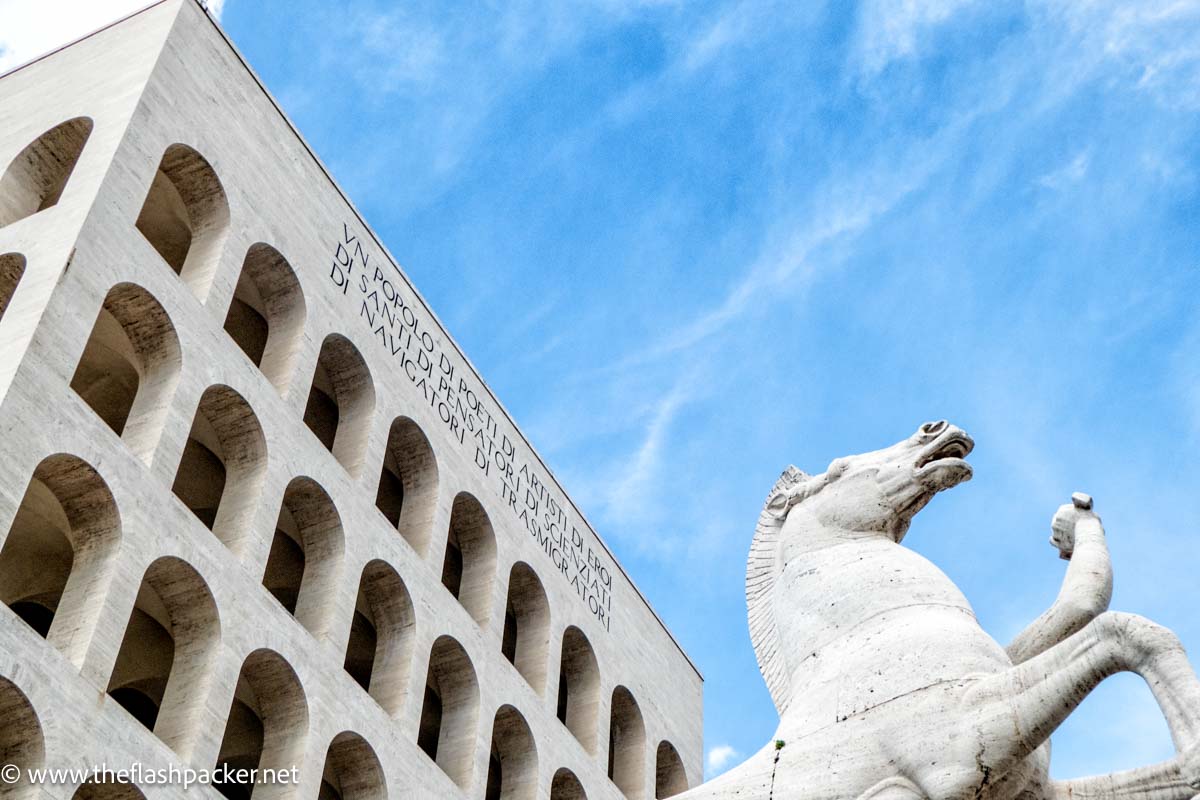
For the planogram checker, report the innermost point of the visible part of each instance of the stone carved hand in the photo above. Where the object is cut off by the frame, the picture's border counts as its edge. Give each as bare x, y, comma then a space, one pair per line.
1062, 527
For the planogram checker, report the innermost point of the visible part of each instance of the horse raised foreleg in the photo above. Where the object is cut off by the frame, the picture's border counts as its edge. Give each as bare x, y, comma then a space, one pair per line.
1010, 714
1086, 589
1159, 782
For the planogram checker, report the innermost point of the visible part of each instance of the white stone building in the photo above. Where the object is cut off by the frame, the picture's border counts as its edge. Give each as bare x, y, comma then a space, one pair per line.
256, 507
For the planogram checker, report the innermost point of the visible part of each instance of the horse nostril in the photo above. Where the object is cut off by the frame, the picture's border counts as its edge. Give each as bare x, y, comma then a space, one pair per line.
933, 427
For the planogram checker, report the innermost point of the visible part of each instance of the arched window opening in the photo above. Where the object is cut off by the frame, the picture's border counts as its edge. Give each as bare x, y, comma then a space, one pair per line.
578, 687
341, 401
57, 551
21, 741
105, 790
431, 722
268, 720
12, 267
222, 465
306, 554
285, 563
495, 775
266, 315
526, 637
565, 786
450, 711
352, 770
169, 645
470, 562
130, 366
37, 557
379, 650
512, 768
139, 679
626, 744
364, 639
508, 637
35, 179
669, 776
407, 493
185, 216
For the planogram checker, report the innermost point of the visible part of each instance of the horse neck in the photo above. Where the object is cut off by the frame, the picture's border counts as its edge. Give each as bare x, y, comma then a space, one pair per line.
820, 587
804, 534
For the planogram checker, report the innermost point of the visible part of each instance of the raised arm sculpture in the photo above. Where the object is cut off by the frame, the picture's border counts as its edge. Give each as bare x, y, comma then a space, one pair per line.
886, 685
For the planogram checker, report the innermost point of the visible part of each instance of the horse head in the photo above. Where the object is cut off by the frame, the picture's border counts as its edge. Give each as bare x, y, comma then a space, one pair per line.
880, 491
873, 493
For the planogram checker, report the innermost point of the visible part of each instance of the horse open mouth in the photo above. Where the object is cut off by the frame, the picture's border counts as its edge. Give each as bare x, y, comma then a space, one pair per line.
953, 448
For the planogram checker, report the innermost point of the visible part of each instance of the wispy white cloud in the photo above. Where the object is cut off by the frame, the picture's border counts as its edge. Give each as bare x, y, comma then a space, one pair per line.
635, 486
720, 758
896, 29
848, 203
730, 27
404, 52
454, 67
1156, 41
1069, 173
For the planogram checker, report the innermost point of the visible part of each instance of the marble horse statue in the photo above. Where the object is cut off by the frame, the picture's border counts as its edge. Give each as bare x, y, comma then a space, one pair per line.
886, 685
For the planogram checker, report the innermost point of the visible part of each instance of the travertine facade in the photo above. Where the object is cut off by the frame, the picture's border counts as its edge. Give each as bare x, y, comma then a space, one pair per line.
255, 505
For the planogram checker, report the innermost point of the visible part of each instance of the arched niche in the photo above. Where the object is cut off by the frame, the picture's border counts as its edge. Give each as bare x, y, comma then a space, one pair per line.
130, 366
58, 552
565, 786
107, 790
512, 761
266, 314
223, 463
306, 554
469, 567
36, 178
450, 711
407, 490
168, 651
627, 745
526, 638
21, 739
185, 216
352, 770
12, 269
670, 778
266, 726
379, 650
578, 687
341, 400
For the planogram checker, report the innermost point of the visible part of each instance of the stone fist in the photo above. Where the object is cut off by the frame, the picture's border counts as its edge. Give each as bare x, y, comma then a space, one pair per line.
1062, 527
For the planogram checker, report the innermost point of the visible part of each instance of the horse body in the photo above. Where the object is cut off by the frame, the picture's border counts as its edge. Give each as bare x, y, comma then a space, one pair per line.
873, 667
887, 686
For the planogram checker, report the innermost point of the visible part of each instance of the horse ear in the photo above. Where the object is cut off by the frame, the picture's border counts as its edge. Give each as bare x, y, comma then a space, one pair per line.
792, 475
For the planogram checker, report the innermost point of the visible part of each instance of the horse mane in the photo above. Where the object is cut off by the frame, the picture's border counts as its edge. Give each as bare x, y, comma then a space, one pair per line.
762, 570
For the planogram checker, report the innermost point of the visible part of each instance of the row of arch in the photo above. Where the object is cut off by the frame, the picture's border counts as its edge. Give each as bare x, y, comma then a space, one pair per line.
265, 730
65, 533
127, 374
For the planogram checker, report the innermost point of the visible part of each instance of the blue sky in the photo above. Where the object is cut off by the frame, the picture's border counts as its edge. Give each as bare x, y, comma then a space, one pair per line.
691, 243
